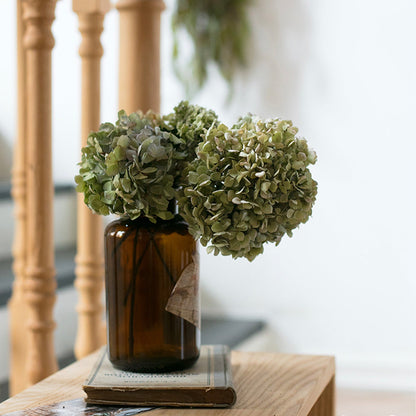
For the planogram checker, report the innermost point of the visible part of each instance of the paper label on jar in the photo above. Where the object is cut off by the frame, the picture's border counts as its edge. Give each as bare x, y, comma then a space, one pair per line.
184, 299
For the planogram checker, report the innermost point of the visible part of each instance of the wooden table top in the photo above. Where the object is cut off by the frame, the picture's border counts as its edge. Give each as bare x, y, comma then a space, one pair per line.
266, 384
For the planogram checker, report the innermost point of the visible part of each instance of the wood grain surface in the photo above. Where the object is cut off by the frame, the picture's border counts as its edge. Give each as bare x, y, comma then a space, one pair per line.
89, 260
39, 279
266, 384
17, 306
139, 67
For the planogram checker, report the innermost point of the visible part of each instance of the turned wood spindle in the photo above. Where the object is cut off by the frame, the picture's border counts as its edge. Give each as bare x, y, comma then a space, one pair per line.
40, 284
17, 305
139, 67
89, 260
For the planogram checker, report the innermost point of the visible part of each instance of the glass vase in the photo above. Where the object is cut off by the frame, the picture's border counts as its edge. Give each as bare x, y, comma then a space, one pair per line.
152, 295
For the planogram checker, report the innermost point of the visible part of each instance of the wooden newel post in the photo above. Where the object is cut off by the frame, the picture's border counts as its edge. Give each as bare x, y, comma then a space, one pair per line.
89, 260
40, 284
17, 305
139, 68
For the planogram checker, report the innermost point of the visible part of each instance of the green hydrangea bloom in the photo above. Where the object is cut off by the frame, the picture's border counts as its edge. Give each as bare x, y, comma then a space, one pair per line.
190, 123
238, 188
249, 185
133, 167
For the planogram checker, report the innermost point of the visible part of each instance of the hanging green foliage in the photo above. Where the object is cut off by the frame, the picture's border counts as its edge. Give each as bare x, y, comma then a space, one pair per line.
219, 31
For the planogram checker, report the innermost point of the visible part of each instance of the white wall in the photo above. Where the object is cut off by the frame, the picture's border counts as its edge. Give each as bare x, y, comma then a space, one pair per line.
345, 73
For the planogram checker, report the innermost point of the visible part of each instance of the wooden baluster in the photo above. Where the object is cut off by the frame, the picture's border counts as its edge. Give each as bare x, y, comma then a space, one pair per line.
17, 305
40, 284
89, 259
139, 68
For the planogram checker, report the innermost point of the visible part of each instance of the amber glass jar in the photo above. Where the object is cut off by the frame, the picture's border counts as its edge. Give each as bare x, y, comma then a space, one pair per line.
152, 295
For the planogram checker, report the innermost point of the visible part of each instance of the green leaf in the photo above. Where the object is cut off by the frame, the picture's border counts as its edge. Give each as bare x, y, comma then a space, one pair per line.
123, 141
150, 169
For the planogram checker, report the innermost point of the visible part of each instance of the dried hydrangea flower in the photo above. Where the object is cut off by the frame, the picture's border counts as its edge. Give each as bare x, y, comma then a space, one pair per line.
133, 167
190, 123
126, 168
249, 185
242, 187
